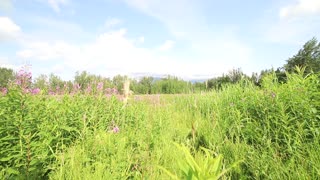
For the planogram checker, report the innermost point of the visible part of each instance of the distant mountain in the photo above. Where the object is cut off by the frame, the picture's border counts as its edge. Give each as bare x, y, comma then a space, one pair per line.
160, 76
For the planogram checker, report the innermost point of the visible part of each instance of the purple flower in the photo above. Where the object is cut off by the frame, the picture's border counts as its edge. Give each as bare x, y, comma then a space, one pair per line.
26, 90
23, 78
114, 91
76, 87
4, 91
89, 89
100, 86
35, 91
273, 95
115, 129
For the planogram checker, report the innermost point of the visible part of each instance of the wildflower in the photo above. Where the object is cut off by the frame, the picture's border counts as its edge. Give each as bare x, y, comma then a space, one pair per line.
35, 91
89, 89
51, 92
114, 91
23, 78
76, 87
4, 91
273, 95
115, 129
100, 86
26, 90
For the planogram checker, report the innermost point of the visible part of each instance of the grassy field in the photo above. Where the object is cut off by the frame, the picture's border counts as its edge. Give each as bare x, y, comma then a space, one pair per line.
240, 132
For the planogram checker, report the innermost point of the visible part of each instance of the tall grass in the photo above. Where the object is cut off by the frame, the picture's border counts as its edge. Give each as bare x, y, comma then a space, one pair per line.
270, 132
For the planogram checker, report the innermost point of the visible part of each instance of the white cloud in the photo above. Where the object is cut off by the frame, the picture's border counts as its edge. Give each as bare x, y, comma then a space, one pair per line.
112, 22
183, 18
113, 53
294, 24
56, 4
300, 8
291, 32
8, 29
168, 44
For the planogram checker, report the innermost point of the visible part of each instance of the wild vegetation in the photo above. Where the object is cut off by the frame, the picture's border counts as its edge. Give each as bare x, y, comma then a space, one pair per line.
237, 131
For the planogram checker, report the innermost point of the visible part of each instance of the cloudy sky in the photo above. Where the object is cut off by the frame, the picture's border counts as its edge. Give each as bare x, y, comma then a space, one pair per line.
187, 38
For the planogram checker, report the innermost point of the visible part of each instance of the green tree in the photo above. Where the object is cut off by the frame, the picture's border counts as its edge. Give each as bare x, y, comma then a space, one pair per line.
41, 81
6, 75
83, 79
118, 81
55, 82
235, 75
308, 56
145, 85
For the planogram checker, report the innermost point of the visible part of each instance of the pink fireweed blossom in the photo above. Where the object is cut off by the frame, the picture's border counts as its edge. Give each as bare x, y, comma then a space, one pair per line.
89, 89
26, 90
76, 87
23, 78
4, 91
114, 91
51, 92
115, 129
35, 91
100, 86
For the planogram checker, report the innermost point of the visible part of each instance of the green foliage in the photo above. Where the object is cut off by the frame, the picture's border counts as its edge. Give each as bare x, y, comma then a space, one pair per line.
171, 85
203, 165
143, 86
267, 132
308, 56
85, 79
6, 75
55, 82
118, 81
41, 82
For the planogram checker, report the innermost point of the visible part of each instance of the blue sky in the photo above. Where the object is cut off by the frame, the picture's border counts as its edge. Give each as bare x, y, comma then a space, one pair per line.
187, 38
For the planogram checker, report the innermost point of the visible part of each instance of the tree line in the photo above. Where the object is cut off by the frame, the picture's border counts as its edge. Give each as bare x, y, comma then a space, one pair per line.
308, 57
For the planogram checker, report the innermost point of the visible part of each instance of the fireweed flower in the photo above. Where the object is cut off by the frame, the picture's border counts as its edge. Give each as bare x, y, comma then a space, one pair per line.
26, 90
100, 86
51, 92
35, 91
4, 91
23, 78
114, 91
89, 89
76, 87
115, 129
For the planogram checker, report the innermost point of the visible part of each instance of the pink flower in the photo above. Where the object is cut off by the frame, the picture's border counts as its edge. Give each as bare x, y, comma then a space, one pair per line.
89, 89
35, 91
114, 91
26, 90
115, 129
100, 86
4, 91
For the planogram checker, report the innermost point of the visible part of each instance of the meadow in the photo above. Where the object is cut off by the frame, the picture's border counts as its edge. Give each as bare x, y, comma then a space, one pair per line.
239, 132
